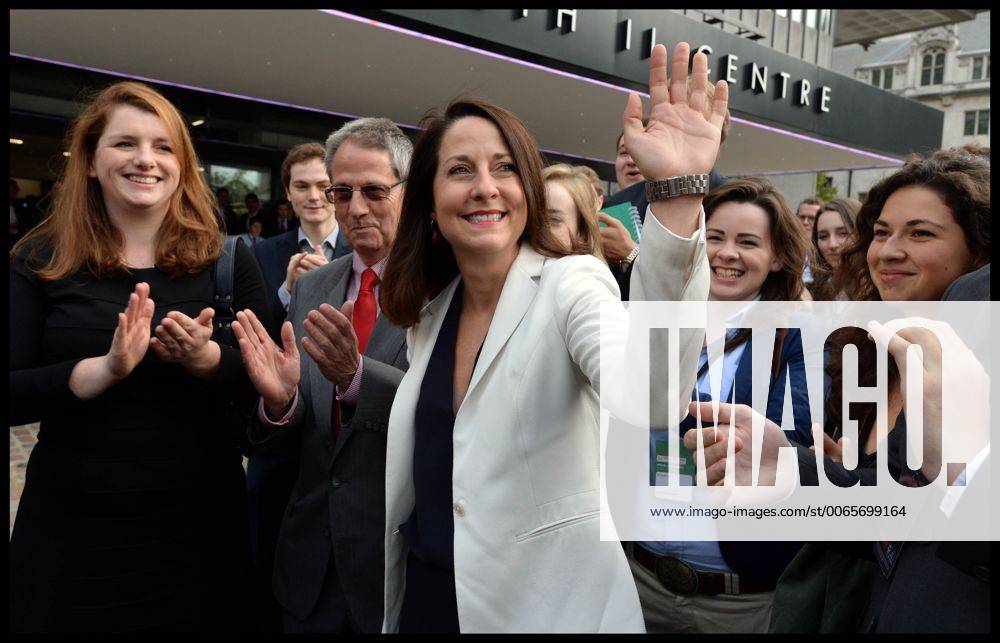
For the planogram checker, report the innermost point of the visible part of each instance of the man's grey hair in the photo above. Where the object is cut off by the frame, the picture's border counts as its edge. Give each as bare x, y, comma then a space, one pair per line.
378, 133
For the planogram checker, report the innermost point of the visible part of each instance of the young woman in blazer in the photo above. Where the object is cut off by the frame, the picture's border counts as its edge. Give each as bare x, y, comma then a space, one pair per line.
492, 486
756, 249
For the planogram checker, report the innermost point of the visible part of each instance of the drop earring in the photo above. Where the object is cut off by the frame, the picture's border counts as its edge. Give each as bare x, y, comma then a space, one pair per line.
434, 231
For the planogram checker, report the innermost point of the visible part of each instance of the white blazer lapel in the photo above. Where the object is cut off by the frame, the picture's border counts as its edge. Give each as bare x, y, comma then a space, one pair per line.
518, 292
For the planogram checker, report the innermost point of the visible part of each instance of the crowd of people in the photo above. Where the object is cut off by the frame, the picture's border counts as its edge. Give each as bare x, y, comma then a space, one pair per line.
408, 350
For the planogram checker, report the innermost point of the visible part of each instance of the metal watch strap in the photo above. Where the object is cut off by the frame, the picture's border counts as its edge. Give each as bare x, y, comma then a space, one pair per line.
676, 186
627, 261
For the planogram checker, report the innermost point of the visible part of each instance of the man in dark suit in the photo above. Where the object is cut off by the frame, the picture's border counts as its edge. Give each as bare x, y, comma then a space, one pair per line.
227, 214
282, 259
332, 403
304, 175
284, 221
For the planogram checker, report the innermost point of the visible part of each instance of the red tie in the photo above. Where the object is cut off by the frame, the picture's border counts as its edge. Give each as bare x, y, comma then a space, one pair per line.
364, 309
363, 320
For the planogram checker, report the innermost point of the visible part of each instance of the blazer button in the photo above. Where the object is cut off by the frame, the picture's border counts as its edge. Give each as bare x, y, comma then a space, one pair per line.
982, 572
459, 508
326, 532
335, 483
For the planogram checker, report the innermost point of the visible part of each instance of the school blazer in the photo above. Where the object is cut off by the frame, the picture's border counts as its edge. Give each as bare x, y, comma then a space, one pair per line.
525, 477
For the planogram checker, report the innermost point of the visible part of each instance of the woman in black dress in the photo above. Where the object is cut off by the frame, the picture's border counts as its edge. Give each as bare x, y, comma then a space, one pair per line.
133, 516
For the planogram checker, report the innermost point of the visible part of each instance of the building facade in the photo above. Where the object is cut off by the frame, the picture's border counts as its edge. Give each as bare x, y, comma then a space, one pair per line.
946, 67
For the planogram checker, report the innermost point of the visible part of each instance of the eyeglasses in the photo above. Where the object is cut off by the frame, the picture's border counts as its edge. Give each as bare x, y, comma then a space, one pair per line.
342, 195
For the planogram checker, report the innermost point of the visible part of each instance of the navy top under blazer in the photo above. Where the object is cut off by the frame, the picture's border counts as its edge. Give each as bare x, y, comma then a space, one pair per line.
430, 529
430, 603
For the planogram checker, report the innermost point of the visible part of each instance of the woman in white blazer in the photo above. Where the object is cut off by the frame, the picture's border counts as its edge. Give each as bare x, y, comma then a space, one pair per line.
492, 476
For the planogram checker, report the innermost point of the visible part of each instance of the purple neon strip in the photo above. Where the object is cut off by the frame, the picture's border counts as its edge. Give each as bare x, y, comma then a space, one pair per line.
819, 141
192, 87
815, 170
242, 97
593, 81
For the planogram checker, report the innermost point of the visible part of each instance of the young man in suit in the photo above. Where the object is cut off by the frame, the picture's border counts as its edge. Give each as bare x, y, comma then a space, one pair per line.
331, 402
253, 235
284, 221
286, 257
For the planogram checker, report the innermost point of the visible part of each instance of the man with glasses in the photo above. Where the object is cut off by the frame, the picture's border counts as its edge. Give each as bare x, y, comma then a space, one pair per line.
807, 212
331, 401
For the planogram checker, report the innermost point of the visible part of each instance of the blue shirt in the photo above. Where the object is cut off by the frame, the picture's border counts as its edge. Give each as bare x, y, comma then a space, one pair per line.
703, 555
329, 244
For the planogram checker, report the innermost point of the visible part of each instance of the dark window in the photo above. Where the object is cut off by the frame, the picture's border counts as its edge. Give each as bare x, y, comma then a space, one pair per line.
977, 123
970, 123
939, 69
882, 77
977, 68
932, 68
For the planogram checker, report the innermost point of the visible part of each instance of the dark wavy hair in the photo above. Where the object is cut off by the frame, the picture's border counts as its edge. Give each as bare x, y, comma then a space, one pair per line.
962, 179
419, 269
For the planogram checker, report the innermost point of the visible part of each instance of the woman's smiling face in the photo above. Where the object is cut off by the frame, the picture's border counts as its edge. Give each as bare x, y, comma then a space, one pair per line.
918, 248
479, 202
740, 254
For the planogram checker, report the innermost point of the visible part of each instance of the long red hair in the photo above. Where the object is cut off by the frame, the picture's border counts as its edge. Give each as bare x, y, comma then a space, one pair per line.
78, 232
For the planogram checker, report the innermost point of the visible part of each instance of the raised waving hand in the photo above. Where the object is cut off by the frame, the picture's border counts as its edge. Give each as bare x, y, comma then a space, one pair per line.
678, 138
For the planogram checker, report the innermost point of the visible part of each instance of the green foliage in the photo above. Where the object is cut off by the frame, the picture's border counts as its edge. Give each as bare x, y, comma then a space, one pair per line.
825, 190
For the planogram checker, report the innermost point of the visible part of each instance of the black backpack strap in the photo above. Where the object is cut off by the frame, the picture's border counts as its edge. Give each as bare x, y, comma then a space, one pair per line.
223, 273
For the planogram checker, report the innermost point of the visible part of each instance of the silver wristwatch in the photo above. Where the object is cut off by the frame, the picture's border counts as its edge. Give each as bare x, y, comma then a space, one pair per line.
627, 261
676, 186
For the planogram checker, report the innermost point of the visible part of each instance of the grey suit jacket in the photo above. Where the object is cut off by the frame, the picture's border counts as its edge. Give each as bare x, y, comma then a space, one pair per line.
338, 505
973, 286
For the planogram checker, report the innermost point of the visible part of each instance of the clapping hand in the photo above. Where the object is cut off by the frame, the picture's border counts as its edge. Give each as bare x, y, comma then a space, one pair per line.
303, 262
678, 138
273, 371
93, 376
131, 339
182, 339
332, 343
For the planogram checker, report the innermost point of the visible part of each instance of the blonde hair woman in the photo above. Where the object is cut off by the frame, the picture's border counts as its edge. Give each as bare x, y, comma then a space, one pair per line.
572, 209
